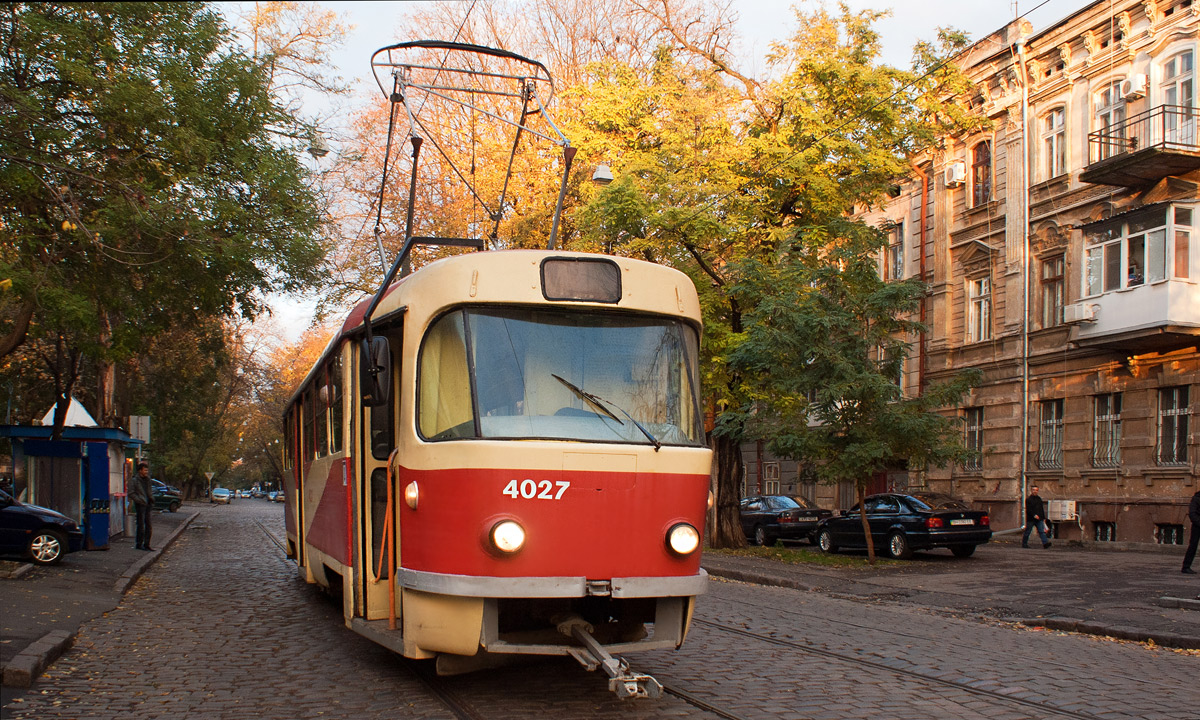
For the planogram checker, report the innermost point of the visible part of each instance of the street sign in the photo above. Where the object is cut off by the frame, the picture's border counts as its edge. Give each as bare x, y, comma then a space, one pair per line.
209, 475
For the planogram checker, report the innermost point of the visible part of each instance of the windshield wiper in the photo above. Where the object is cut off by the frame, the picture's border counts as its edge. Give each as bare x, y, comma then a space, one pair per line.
602, 403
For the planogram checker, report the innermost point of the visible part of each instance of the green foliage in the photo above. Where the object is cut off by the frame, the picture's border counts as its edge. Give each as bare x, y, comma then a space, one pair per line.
824, 345
145, 179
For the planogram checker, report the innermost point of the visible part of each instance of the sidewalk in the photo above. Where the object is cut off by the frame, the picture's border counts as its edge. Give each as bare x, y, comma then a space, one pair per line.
44, 606
1129, 595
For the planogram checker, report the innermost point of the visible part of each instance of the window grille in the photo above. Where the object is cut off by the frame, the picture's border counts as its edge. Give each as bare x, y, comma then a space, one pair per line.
973, 438
1050, 434
1106, 431
1168, 534
1104, 531
1173, 426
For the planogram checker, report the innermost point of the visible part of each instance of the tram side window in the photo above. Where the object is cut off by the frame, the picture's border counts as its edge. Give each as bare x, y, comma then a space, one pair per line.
322, 419
382, 416
289, 436
306, 437
445, 410
335, 405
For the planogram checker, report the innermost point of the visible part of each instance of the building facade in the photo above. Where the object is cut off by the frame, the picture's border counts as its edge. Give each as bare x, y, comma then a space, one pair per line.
1061, 247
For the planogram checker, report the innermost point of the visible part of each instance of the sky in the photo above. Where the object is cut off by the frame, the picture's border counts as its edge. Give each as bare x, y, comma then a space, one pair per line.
761, 22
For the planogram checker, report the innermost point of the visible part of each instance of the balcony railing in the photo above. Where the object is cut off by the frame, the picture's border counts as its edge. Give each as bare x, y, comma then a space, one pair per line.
1166, 127
1144, 148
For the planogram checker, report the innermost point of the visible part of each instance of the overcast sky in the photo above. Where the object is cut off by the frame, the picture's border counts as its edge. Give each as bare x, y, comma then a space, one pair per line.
377, 24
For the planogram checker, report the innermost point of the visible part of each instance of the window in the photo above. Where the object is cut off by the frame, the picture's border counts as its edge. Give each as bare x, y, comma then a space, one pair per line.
979, 310
309, 431
1179, 90
1053, 286
973, 438
559, 375
1173, 425
335, 405
1104, 531
1106, 431
1054, 143
1168, 534
771, 487
894, 261
1133, 250
1050, 434
1110, 121
981, 174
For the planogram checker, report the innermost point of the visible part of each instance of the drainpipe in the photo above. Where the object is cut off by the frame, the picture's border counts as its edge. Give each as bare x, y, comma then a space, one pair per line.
1024, 219
922, 348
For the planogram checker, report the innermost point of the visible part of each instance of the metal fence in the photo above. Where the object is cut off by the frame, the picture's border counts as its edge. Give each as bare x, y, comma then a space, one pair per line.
1166, 127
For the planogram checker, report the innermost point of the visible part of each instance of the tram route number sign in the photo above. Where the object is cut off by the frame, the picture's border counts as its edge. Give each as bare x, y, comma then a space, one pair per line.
536, 489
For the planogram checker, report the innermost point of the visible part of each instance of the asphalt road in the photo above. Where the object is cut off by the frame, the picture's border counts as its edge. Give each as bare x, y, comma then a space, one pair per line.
221, 627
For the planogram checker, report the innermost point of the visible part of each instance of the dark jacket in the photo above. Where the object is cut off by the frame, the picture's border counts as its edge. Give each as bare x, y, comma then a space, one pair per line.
1194, 509
1035, 509
139, 490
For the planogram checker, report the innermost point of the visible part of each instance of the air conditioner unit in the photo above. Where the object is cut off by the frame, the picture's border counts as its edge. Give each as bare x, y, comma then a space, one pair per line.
1059, 510
1079, 313
956, 174
1134, 88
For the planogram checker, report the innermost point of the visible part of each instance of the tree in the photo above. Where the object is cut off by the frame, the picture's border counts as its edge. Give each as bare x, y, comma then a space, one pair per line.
820, 360
149, 179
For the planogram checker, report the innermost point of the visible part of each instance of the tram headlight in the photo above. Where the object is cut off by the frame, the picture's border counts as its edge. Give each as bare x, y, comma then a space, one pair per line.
411, 494
508, 536
683, 539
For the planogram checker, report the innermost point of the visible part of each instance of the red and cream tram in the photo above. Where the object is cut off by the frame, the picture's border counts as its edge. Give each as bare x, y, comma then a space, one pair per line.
508, 457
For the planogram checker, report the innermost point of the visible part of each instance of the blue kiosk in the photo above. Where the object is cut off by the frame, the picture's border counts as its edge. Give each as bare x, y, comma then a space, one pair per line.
81, 476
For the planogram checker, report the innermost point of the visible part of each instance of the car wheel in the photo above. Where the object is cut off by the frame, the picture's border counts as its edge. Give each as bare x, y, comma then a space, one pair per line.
898, 546
963, 550
174, 507
47, 547
760, 537
825, 541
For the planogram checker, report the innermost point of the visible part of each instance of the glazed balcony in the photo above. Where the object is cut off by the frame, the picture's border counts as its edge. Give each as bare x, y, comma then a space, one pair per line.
1146, 318
1145, 148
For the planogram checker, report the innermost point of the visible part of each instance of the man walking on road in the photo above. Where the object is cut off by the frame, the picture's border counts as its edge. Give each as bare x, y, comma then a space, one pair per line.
1194, 540
143, 503
1035, 517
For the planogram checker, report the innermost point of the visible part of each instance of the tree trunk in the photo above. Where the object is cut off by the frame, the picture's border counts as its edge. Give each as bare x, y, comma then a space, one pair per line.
862, 514
726, 524
106, 375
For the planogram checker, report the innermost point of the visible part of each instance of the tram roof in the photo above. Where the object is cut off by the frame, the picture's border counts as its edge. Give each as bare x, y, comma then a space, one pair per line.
432, 280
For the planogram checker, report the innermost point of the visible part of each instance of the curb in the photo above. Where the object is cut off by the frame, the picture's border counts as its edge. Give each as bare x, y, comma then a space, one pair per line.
18, 571
130, 576
1165, 639
29, 664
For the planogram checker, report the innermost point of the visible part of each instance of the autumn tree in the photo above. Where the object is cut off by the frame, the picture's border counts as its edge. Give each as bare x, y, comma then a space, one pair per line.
148, 179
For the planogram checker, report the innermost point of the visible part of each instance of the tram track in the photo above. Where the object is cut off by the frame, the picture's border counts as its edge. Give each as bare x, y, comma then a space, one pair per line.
908, 674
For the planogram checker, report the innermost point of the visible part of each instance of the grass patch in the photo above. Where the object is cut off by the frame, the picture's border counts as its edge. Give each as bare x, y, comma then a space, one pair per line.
805, 555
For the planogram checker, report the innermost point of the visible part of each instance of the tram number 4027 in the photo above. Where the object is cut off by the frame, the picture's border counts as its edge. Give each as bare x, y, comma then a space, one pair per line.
536, 489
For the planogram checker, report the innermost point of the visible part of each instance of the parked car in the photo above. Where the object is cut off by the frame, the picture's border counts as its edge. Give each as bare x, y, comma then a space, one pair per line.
277, 496
221, 495
767, 518
256, 493
901, 524
166, 497
36, 533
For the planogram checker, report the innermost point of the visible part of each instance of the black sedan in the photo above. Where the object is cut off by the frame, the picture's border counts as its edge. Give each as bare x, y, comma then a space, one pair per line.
767, 518
901, 524
37, 533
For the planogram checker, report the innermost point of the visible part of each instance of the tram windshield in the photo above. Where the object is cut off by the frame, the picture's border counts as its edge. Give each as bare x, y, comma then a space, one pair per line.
528, 373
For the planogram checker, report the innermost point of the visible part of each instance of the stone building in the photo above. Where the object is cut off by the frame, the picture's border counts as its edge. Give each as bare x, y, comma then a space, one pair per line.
1061, 246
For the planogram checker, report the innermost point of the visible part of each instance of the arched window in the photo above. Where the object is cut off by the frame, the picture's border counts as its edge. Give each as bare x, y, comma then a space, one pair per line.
1179, 98
981, 174
1110, 121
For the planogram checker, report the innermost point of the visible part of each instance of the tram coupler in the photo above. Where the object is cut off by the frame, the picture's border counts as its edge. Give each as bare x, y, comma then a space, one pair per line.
622, 681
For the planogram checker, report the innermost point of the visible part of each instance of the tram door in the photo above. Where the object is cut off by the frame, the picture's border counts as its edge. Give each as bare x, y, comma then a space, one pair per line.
377, 440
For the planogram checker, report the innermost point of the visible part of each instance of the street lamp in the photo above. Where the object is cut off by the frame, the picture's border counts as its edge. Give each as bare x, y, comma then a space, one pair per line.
317, 146
603, 175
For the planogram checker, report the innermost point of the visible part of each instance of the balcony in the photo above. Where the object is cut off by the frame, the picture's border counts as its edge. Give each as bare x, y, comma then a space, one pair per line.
1145, 148
1147, 318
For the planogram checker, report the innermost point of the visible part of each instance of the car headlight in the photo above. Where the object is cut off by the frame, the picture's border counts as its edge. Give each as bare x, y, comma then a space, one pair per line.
683, 539
411, 495
508, 536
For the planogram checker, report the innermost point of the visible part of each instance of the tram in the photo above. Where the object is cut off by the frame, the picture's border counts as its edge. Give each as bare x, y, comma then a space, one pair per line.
514, 464
502, 454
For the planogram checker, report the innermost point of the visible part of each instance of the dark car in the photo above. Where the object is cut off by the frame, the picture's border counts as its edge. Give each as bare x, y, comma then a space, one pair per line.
37, 533
166, 497
940, 501
767, 518
901, 524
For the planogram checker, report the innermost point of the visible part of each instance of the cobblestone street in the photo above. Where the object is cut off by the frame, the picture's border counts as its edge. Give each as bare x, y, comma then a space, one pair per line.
222, 628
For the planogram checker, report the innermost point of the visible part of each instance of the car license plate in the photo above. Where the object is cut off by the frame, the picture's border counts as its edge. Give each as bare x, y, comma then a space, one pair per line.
962, 521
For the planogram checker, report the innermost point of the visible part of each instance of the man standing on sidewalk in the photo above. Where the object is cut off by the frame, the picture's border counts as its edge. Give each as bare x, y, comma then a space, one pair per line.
143, 503
1035, 517
1194, 540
